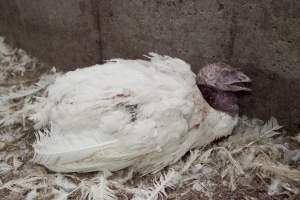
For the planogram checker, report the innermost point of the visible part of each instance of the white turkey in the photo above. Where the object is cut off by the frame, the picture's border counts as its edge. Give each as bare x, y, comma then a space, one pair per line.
143, 114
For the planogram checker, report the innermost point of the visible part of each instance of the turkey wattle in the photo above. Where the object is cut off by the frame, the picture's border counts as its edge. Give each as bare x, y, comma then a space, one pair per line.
144, 114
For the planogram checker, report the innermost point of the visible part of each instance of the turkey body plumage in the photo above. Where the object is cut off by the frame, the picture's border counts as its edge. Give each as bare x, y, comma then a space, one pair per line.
144, 114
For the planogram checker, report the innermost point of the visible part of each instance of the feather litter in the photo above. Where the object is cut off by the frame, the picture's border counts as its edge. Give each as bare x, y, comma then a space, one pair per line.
253, 151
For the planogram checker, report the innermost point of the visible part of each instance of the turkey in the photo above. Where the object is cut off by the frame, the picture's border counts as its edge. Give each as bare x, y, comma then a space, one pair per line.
143, 114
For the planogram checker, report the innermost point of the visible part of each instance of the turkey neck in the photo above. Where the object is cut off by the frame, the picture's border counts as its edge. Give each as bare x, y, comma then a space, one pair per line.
220, 100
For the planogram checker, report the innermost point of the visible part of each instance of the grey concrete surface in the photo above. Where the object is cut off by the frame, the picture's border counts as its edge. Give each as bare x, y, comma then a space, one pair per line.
261, 37
63, 33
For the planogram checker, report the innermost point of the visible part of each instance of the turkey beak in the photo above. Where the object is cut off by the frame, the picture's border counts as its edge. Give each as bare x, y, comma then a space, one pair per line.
238, 82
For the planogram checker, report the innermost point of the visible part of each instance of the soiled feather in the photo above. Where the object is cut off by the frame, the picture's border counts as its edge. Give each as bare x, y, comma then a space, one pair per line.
23, 184
12, 113
43, 82
14, 62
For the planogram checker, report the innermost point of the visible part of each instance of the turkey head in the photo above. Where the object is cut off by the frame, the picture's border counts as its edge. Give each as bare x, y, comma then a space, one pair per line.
221, 85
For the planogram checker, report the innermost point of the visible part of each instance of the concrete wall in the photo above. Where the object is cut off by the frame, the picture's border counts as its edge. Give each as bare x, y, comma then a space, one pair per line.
261, 37
61, 32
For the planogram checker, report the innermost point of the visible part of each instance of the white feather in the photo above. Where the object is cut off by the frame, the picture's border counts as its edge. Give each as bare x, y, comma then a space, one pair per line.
32, 195
166, 180
63, 183
5, 168
96, 189
59, 194
125, 113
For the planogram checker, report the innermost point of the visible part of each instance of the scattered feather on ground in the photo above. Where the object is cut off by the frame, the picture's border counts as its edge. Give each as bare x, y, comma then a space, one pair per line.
258, 161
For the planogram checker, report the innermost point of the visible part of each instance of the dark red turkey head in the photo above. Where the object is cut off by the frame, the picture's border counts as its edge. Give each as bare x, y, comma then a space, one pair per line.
220, 84
223, 77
